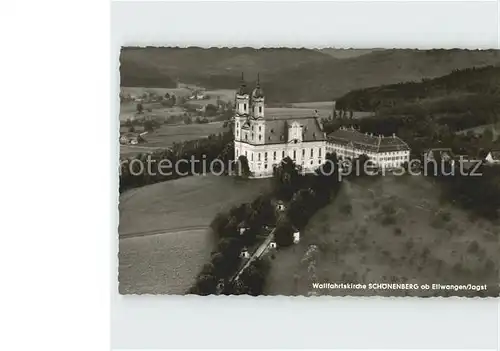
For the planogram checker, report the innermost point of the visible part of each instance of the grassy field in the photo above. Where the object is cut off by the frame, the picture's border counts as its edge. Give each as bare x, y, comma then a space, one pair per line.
320, 105
479, 130
164, 239
389, 229
138, 91
166, 135
292, 112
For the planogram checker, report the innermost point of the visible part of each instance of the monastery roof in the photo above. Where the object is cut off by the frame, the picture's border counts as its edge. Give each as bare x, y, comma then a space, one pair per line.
277, 130
367, 142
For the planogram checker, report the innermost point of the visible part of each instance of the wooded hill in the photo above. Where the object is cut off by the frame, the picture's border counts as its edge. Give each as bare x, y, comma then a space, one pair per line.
293, 75
460, 83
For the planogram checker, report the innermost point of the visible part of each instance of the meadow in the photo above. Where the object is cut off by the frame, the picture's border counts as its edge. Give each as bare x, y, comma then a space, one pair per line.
166, 135
163, 229
389, 229
138, 91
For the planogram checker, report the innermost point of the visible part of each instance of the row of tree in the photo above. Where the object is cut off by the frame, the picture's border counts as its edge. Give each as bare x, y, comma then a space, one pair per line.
215, 276
196, 155
303, 195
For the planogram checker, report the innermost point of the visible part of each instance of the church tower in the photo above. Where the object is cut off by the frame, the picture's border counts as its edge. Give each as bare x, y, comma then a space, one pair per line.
258, 100
242, 108
242, 99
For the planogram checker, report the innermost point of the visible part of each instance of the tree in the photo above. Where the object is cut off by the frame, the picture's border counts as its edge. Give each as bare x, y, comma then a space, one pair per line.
286, 178
148, 126
139, 108
243, 168
254, 277
210, 110
283, 233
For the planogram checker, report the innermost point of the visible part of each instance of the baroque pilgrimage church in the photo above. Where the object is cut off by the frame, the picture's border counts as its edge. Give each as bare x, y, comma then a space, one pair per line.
267, 139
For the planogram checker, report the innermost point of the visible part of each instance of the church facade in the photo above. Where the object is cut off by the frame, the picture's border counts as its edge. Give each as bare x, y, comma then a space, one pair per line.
266, 139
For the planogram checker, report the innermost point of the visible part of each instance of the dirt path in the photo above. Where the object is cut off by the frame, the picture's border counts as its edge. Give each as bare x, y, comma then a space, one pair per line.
161, 231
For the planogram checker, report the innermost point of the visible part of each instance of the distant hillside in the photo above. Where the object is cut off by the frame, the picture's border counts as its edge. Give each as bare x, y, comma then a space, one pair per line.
331, 79
291, 75
432, 108
342, 54
469, 81
215, 68
134, 74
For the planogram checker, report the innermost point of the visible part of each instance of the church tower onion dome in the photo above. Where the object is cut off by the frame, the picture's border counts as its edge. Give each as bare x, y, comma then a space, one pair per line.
243, 87
258, 92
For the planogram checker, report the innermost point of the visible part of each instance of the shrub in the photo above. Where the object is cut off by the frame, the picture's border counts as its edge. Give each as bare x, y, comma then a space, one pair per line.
473, 247
284, 232
346, 209
388, 220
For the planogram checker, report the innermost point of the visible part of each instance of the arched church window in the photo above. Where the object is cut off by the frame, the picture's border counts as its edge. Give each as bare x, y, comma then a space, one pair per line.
260, 109
260, 137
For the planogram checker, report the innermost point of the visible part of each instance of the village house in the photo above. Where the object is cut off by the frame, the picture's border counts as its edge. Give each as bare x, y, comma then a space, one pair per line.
493, 157
385, 152
244, 253
445, 154
132, 138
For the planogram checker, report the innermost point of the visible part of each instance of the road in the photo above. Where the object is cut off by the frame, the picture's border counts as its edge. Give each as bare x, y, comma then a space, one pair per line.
256, 255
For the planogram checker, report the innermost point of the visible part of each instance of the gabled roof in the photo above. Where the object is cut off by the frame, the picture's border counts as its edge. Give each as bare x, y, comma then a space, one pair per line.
495, 154
277, 130
442, 152
367, 142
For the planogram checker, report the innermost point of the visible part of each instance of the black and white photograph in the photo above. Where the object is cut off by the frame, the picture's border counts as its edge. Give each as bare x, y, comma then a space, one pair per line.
309, 171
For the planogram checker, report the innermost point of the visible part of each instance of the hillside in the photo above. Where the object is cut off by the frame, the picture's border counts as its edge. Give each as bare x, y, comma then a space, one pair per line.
292, 75
331, 79
484, 80
216, 68
342, 54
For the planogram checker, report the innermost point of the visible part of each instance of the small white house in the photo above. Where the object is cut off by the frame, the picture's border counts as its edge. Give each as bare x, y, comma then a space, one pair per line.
242, 228
493, 157
296, 237
244, 254
280, 206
